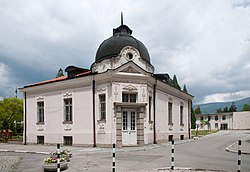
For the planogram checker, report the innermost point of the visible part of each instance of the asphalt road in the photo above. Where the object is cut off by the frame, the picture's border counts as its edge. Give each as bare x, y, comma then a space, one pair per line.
205, 153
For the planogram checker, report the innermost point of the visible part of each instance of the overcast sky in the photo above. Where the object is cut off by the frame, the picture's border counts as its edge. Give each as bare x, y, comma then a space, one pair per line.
205, 43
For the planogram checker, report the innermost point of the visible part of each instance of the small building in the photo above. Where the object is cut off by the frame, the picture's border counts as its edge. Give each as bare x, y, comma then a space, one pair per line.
224, 121
118, 100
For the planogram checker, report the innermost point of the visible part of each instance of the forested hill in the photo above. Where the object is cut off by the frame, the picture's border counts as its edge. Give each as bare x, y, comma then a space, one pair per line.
211, 108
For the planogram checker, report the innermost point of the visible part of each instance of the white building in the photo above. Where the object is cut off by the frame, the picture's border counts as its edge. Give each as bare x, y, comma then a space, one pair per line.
118, 100
224, 121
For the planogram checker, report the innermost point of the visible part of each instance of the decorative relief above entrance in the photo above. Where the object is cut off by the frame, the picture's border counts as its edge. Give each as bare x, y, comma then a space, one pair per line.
67, 95
130, 88
40, 98
102, 90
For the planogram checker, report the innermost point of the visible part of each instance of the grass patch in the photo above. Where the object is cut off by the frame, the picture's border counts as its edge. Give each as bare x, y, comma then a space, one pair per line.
203, 132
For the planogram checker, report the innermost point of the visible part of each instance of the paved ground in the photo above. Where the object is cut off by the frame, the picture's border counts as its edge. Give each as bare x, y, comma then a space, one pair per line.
150, 158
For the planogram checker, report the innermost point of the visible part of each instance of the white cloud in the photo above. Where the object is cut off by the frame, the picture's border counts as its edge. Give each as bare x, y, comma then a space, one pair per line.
205, 43
6, 82
225, 97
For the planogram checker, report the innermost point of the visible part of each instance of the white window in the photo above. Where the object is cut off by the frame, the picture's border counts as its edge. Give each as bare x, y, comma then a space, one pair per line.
216, 118
149, 108
129, 97
102, 104
40, 112
68, 110
67, 140
224, 117
181, 116
40, 139
170, 120
125, 120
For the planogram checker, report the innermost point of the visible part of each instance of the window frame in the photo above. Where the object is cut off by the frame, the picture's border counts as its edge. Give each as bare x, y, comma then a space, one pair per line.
224, 117
170, 113
150, 108
68, 113
40, 140
40, 112
102, 107
216, 118
130, 98
181, 115
67, 140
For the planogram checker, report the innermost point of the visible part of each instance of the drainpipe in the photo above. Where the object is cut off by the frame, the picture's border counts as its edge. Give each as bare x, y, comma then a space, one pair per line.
189, 118
25, 118
154, 99
93, 97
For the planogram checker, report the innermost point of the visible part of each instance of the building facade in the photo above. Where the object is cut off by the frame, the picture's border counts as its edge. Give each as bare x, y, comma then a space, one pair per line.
118, 100
224, 121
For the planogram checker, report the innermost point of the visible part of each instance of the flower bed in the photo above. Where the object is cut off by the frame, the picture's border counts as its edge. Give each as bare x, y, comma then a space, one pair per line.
63, 154
50, 164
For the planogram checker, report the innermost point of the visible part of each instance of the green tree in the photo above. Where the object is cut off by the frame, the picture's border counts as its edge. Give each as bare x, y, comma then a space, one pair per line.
11, 109
185, 89
197, 110
246, 107
174, 83
225, 109
206, 123
193, 119
59, 73
232, 108
218, 110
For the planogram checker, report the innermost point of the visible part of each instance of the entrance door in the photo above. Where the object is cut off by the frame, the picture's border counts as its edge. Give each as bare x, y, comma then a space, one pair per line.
129, 134
223, 127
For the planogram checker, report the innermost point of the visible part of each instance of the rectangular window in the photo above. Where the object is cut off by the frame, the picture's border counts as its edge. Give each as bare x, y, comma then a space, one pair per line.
216, 118
208, 118
182, 137
40, 111
170, 137
129, 97
181, 115
68, 110
40, 139
102, 99
224, 117
170, 120
132, 123
67, 140
149, 107
216, 125
132, 98
125, 120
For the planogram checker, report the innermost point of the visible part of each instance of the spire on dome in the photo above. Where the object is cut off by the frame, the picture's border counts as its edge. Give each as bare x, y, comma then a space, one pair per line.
122, 29
121, 18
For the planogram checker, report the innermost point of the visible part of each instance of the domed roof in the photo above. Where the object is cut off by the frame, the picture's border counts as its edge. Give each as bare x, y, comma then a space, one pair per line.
121, 38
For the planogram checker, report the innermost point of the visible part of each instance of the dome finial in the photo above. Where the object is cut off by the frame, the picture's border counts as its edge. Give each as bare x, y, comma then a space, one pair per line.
121, 18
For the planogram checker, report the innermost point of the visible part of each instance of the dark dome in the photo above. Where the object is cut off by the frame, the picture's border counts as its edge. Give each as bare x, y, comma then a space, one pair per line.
121, 38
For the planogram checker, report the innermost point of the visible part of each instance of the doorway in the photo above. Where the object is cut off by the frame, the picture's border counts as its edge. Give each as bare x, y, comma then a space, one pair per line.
223, 127
129, 130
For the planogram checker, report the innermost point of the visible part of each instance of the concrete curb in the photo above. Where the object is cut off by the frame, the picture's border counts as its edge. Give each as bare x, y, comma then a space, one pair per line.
229, 148
180, 169
22, 151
